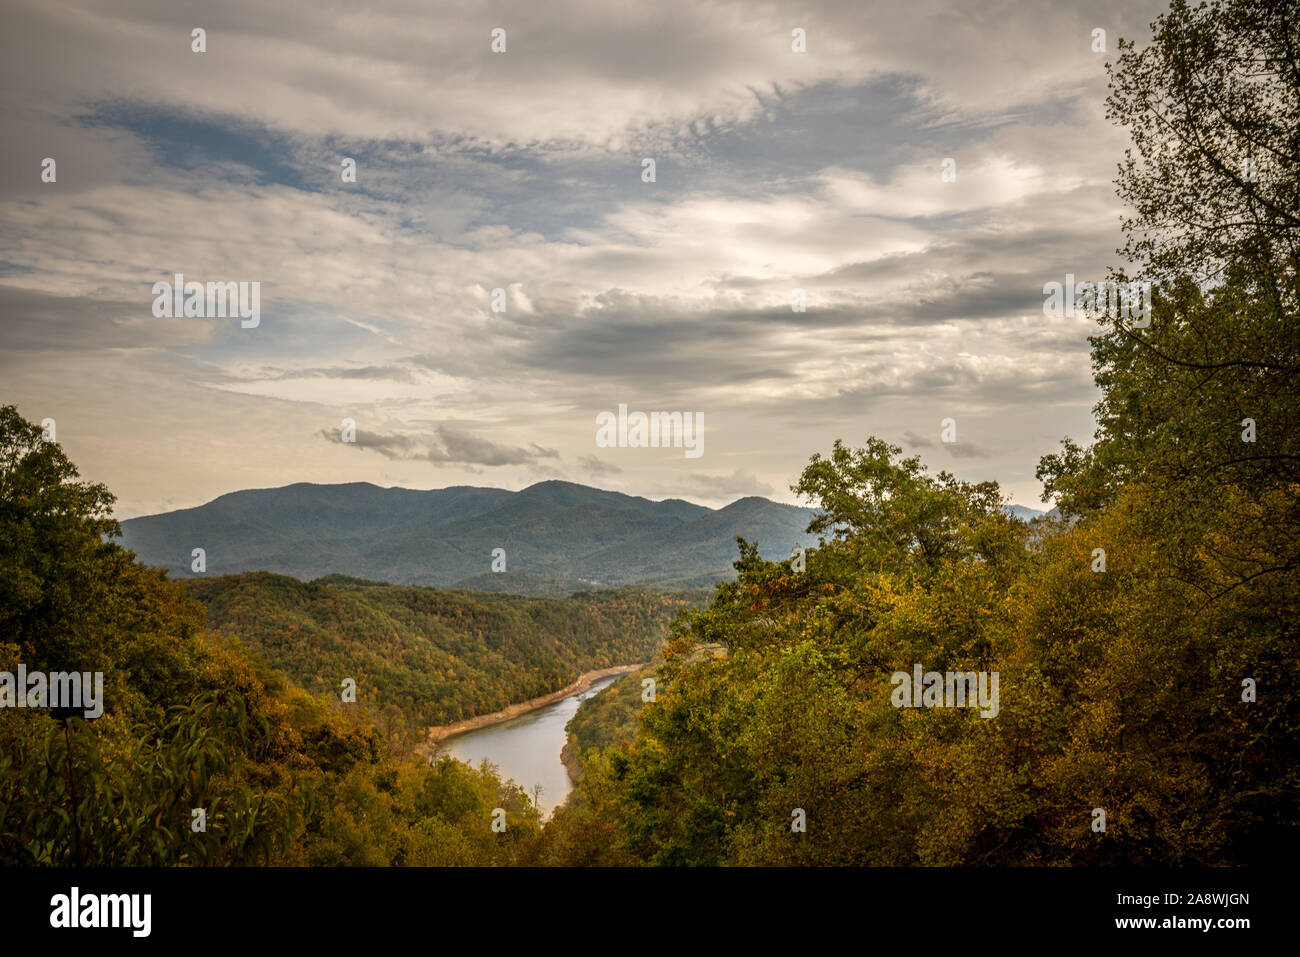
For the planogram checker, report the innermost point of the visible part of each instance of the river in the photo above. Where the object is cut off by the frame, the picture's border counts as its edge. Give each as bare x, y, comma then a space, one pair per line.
527, 748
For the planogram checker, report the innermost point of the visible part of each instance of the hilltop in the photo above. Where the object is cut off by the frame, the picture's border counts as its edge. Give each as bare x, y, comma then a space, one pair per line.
558, 537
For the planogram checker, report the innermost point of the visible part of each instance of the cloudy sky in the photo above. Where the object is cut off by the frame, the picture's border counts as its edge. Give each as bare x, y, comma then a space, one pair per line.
522, 171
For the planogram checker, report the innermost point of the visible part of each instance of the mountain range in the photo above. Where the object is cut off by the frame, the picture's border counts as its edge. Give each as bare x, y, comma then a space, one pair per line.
557, 536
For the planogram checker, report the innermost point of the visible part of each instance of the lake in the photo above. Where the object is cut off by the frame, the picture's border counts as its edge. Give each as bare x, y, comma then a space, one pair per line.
527, 748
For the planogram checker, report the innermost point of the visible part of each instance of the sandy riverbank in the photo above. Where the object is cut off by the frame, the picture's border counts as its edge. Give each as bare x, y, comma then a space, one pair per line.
441, 732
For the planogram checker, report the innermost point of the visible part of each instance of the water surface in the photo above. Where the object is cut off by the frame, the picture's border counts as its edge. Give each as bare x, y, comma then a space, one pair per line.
527, 748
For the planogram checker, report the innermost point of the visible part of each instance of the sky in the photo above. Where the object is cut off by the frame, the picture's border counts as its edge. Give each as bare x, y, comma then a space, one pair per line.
524, 171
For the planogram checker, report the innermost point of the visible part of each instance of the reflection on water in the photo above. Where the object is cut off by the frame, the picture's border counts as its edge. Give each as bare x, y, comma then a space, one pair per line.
527, 748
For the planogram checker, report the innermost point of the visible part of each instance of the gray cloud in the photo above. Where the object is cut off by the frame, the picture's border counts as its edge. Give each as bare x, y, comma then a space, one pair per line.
595, 466
447, 446
966, 450
377, 373
736, 485
389, 446
458, 446
34, 321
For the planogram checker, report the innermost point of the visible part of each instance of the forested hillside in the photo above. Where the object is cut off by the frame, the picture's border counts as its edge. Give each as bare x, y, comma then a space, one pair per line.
608, 718
191, 720
422, 656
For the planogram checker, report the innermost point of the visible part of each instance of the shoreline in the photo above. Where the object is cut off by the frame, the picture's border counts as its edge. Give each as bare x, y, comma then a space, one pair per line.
441, 732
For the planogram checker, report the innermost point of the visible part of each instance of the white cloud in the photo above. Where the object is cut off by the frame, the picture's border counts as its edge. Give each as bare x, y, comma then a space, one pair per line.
521, 172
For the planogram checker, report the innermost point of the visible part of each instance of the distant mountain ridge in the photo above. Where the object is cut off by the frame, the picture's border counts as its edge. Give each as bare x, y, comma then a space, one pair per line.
558, 536
1027, 514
